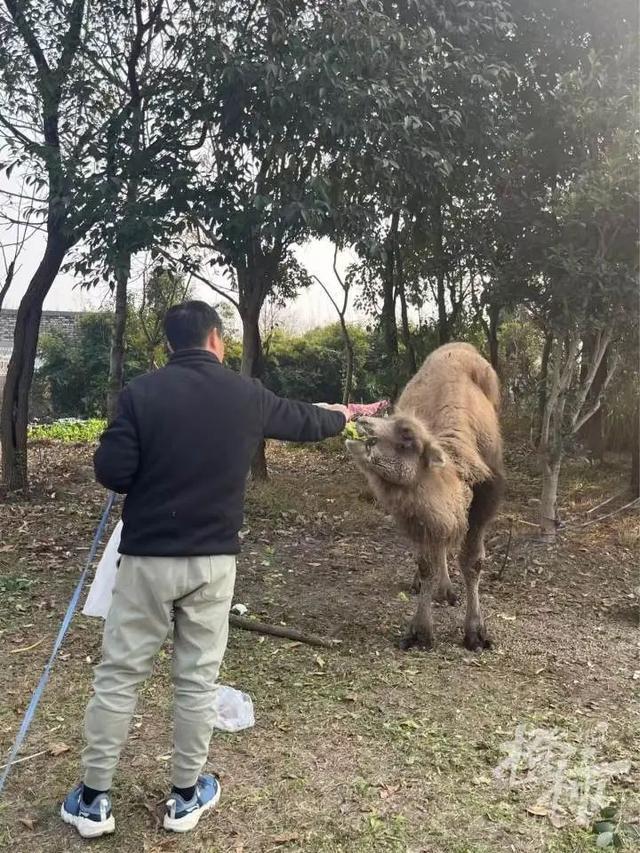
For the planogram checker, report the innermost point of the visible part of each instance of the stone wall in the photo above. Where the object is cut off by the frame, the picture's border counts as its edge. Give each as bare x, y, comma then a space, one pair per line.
61, 321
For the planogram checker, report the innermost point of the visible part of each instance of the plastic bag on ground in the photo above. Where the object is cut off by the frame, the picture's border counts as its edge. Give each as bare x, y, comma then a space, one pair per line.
233, 710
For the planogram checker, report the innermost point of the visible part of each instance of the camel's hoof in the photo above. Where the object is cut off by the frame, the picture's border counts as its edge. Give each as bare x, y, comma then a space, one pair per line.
416, 640
446, 596
477, 640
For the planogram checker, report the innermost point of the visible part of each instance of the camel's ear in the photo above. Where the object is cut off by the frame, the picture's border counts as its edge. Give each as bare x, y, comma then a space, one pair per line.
411, 435
408, 435
434, 454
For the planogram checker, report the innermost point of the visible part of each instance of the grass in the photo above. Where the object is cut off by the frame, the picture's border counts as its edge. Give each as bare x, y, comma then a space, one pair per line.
357, 749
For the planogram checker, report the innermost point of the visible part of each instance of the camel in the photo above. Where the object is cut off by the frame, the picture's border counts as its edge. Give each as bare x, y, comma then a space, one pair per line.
436, 466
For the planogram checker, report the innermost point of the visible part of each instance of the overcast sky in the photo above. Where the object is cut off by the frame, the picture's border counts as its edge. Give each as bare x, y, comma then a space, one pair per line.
311, 308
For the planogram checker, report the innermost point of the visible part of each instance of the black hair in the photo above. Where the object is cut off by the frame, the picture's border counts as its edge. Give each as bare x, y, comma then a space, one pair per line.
189, 324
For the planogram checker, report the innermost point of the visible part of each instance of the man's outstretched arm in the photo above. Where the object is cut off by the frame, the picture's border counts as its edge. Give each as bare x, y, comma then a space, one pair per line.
292, 420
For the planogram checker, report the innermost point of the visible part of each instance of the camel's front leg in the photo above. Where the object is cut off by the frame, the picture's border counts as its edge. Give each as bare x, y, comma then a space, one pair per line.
420, 632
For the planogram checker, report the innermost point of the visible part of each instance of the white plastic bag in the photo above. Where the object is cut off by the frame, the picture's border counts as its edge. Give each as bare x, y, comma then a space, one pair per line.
233, 709
101, 591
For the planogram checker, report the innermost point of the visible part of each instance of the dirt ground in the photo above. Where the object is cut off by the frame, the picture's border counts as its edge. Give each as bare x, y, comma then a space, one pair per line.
363, 747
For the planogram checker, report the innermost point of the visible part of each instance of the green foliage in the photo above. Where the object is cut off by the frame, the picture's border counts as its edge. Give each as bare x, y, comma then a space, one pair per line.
73, 375
310, 366
70, 430
74, 372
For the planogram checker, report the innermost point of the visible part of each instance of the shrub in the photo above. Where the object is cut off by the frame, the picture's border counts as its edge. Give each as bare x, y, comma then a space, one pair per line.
71, 430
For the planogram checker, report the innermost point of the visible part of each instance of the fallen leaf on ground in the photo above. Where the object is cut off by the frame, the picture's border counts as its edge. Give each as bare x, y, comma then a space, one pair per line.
285, 839
387, 790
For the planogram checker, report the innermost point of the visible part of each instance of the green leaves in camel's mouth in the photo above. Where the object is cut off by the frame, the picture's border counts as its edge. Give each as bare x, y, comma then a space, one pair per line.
351, 431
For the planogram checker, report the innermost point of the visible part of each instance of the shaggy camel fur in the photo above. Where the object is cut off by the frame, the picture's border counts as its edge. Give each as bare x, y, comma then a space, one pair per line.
436, 466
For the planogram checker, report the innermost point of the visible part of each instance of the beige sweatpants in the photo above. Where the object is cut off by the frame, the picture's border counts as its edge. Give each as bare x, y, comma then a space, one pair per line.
148, 590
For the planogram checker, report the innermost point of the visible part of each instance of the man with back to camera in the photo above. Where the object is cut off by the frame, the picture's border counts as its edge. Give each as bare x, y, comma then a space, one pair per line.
180, 448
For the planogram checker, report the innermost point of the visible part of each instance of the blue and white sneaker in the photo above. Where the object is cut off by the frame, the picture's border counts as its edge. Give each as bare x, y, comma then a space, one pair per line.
90, 821
181, 815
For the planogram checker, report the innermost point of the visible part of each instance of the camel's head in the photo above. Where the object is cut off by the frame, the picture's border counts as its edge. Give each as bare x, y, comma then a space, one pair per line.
396, 449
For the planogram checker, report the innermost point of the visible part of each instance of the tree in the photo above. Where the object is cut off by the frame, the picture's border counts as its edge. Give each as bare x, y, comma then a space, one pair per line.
590, 267
161, 288
341, 310
143, 56
273, 173
431, 140
70, 123
39, 108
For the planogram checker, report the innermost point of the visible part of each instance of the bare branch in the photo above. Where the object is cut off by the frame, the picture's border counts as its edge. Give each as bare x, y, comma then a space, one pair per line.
8, 279
30, 144
326, 290
216, 288
580, 422
16, 10
348, 343
602, 344
71, 39
345, 285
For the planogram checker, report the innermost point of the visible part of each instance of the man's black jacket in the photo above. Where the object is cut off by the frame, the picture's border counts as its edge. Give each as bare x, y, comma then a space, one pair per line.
181, 446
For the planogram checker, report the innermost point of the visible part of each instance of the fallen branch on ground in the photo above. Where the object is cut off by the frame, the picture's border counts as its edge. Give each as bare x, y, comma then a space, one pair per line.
604, 503
27, 648
279, 631
610, 514
25, 758
506, 551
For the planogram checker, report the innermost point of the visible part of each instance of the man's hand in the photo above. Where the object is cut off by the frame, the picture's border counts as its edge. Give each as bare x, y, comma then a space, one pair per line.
336, 407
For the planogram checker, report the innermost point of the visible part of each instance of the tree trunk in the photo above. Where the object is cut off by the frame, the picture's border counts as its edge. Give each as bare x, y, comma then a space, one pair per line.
444, 330
14, 416
443, 321
116, 358
409, 349
348, 375
252, 365
492, 337
635, 456
388, 316
542, 385
549, 497
592, 433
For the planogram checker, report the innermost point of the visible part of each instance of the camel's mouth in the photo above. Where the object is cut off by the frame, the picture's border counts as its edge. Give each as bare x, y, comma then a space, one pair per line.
364, 428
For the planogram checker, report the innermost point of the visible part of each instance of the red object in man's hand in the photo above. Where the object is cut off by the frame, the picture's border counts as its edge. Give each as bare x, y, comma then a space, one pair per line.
357, 410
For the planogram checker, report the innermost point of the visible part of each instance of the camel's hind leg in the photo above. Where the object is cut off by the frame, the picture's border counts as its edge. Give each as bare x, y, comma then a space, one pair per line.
484, 505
